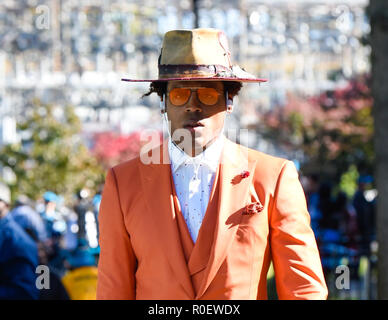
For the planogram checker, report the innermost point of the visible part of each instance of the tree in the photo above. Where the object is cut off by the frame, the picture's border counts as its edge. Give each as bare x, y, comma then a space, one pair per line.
51, 154
378, 15
112, 148
334, 129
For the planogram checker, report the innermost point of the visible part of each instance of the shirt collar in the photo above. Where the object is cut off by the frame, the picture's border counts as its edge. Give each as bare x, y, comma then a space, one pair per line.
210, 157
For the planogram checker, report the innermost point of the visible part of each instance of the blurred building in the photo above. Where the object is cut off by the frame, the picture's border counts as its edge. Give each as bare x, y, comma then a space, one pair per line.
76, 52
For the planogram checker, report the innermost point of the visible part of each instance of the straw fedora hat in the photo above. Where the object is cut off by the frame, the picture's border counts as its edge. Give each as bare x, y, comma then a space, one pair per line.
198, 54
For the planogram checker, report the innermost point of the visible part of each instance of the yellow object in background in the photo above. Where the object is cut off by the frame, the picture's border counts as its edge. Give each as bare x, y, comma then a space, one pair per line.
81, 283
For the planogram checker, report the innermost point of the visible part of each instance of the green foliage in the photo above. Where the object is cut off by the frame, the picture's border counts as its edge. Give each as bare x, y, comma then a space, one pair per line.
296, 124
51, 154
348, 181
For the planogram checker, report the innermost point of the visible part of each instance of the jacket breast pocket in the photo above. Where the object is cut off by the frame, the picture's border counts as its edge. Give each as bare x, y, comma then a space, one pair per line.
253, 226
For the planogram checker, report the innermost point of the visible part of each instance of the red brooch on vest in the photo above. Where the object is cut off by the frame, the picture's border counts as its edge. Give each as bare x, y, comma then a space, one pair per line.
253, 208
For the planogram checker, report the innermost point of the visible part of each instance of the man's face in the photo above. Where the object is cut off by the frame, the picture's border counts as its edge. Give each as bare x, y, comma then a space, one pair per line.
195, 125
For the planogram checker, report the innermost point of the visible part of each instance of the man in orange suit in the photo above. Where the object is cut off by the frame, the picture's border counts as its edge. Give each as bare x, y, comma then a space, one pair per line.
201, 217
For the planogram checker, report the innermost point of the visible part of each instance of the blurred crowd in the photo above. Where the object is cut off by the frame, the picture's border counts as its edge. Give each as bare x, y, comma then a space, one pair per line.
344, 226
48, 251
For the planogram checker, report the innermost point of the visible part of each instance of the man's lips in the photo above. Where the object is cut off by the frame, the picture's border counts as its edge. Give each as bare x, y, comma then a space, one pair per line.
192, 124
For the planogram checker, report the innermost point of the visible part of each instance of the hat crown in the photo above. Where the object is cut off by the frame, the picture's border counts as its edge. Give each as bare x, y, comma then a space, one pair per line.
204, 46
198, 54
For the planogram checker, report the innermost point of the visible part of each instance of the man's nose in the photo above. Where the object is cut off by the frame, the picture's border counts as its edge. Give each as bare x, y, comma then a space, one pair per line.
193, 105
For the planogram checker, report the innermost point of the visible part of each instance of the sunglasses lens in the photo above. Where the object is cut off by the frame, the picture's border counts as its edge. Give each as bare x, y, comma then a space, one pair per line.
179, 96
208, 96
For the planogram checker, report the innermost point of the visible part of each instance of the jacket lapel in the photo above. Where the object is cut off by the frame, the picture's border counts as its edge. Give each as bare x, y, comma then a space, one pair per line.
233, 195
157, 189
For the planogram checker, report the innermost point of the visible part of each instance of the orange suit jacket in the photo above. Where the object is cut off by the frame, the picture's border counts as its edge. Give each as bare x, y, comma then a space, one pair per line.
145, 251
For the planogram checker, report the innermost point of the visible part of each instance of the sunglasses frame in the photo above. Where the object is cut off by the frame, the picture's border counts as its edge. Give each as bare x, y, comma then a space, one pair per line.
191, 92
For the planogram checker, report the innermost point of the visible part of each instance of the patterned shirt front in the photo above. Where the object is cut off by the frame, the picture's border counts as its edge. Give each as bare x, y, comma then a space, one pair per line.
193, 180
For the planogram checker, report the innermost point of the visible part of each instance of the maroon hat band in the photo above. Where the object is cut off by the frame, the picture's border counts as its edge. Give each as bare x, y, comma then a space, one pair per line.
167, 71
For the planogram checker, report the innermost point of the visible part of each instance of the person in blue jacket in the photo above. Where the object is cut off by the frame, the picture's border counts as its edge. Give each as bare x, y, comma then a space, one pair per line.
18, 256
29, 219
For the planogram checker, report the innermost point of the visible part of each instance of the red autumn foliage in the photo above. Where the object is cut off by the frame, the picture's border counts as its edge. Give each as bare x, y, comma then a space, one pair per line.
335, 125
111, 148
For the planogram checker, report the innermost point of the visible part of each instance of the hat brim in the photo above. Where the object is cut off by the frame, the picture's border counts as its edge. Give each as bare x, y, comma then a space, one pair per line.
198, 79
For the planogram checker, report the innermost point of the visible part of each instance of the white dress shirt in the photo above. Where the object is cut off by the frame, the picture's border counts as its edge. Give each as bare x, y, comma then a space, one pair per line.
193, 180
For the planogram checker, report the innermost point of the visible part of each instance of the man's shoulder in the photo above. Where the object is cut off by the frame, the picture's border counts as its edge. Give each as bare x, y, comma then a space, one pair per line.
268, 167
266, 158
263, 159
147, 156
128, 165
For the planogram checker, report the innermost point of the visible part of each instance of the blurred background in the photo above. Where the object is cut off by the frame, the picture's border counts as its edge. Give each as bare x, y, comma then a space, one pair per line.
65, 118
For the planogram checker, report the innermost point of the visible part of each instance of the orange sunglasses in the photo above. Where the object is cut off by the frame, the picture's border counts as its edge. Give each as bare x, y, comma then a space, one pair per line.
207, 96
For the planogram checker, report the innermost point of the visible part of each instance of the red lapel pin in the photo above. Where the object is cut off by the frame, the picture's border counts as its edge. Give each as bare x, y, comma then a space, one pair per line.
237, 179
244, 174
